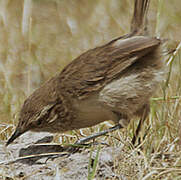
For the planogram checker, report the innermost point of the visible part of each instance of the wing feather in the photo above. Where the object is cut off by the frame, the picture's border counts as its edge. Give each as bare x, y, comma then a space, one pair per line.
95, 68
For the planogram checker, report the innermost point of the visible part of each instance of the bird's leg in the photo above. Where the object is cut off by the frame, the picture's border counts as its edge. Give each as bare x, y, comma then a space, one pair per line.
81, 142
145, 111
93, 136
75, 147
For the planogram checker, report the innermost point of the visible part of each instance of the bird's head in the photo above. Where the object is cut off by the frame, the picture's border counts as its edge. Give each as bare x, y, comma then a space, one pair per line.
33, 117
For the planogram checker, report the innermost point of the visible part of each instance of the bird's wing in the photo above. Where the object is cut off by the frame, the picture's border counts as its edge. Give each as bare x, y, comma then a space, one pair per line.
92, 70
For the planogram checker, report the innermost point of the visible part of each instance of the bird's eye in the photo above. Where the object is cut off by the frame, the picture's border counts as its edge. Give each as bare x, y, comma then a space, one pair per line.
39, 121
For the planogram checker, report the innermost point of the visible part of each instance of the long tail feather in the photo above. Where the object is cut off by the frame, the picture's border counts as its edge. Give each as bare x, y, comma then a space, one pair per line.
139, 19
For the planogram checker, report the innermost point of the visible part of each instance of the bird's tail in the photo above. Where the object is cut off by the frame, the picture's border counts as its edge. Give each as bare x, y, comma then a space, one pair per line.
139, 19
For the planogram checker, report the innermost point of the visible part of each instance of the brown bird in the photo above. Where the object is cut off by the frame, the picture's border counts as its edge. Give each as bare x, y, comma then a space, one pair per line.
111, 82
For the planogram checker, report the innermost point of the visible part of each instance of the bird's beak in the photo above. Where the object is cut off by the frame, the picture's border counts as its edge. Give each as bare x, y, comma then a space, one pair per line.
15, 135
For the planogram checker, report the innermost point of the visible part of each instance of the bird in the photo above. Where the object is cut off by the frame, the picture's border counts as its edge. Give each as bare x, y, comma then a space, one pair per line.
114, 82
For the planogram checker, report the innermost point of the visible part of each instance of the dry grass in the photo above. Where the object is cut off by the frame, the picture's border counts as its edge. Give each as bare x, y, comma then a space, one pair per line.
39, 37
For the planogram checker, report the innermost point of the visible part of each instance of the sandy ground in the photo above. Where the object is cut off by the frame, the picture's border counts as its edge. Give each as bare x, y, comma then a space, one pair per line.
74, 166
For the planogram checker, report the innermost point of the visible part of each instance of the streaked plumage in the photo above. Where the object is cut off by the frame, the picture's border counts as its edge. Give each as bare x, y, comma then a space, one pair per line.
111, 82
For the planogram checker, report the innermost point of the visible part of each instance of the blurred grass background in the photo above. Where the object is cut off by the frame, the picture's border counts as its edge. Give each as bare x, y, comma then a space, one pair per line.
40, 37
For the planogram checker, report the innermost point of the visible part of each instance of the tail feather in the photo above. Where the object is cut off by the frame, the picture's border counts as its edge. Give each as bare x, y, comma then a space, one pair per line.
139, 19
